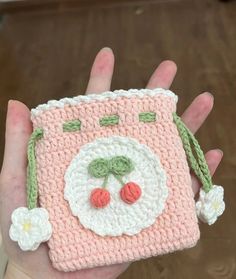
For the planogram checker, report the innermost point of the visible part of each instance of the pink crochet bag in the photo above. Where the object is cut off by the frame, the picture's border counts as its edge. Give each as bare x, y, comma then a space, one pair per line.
113, 180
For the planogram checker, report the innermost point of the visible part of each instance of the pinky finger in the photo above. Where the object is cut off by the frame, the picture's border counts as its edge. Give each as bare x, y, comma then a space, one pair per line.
213, 159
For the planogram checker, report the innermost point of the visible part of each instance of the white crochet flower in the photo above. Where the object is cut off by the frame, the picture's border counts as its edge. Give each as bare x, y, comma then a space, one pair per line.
210, 205
30, 227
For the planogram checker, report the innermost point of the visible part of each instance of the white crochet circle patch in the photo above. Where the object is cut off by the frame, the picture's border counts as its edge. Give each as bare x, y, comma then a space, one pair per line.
117, 217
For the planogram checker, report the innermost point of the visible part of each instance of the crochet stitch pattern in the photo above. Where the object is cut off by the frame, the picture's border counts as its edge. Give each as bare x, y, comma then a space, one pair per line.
82, 232
116, 217
99, 168
112, 176
118, 166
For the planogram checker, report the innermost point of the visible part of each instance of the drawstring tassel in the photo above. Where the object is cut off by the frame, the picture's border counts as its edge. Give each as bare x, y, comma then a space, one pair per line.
30, 225
210, 204
198, 164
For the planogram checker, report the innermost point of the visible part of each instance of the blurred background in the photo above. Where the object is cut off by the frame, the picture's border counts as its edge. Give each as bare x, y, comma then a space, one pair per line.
46, 51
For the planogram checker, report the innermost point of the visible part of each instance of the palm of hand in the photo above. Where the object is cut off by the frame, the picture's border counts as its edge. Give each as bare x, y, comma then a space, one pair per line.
13, 174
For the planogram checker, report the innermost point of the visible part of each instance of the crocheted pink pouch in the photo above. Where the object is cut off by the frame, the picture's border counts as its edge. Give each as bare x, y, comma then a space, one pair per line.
112, 175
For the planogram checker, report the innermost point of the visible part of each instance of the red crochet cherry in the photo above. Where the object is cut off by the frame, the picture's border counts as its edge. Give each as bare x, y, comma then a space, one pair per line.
100, 197
130, 192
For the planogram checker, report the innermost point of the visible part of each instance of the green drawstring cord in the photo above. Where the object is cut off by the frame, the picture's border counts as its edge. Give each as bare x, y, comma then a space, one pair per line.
192, 146
32, 188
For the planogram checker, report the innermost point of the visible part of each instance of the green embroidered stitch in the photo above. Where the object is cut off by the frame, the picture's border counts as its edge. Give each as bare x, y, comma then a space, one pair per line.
198, 164
147, 117
32, 187
117, 166
72, 126
109, 120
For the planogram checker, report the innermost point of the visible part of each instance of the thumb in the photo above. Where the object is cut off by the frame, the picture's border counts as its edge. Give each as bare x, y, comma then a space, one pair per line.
13, 173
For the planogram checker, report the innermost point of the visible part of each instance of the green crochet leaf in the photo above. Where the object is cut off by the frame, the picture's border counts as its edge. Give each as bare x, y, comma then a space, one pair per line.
120, 165
99, 168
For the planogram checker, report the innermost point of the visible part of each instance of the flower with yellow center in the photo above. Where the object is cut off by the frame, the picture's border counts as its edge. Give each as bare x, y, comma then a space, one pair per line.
30, 227
27, 227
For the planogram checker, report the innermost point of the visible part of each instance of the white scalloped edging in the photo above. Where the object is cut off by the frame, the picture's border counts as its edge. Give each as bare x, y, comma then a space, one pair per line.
118, 217
102, 97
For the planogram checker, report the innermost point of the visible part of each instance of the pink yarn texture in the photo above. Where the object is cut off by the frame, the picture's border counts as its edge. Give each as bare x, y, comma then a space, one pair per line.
73, 247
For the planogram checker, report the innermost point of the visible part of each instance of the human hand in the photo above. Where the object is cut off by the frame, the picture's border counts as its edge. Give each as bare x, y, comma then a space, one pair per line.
13, 174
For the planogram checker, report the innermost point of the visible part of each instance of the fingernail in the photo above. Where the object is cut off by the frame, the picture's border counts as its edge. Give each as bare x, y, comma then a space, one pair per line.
211, 95
107, 49
220, 152
9, 103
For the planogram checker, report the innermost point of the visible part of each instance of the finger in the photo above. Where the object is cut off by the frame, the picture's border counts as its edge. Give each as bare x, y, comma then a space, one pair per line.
101, 72
18, 130
13, 173
163, 76
213, 159
197, 112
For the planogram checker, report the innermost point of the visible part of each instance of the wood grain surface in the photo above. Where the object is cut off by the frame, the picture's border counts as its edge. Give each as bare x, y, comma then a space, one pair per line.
47, 54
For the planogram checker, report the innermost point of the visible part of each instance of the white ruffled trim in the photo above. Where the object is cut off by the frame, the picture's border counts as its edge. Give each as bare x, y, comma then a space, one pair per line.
117, 217
102, 97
